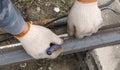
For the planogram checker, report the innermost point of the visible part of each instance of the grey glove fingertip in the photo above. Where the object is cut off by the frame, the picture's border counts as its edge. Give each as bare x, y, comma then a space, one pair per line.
56, 40
71, 29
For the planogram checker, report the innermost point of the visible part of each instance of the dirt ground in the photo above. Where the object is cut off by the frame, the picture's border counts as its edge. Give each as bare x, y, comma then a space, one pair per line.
42, 9
45, 9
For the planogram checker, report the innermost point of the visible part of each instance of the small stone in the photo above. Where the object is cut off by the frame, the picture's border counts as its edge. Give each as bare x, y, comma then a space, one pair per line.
49, 68
56, 9
63, 1
41, 68
47, 4
23, 65
38, 9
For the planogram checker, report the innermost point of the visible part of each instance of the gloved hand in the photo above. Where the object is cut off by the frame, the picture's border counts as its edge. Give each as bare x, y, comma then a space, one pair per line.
36, 40
84, 19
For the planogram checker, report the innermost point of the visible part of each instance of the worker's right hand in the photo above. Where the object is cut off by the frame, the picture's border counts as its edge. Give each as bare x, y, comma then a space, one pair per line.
36, 40
84, 19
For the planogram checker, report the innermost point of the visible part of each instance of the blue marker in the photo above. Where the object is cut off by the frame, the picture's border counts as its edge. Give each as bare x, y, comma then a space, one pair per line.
52, 49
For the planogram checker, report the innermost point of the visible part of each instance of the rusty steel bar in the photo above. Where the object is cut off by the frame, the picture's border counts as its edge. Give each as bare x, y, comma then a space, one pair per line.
101, 38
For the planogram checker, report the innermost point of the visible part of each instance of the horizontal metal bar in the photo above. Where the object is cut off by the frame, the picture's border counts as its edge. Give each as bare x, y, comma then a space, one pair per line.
101, 38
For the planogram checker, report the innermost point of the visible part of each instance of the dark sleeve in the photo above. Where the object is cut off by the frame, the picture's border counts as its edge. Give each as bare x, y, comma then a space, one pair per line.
10, 18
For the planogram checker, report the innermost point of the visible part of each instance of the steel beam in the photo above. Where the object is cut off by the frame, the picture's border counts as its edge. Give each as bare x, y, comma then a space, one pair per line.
101, 38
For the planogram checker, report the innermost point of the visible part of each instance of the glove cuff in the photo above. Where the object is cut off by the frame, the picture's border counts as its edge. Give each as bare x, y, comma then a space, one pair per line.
26, 30
86, 2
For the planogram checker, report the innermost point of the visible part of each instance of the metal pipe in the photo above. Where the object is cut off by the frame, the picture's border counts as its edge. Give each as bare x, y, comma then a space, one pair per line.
100, 39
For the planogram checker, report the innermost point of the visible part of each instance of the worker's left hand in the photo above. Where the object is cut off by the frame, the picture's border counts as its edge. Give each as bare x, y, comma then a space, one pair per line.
84, 19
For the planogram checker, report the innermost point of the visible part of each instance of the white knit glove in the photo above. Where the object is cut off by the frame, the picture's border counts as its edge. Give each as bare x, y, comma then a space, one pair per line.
37, 40
84, 19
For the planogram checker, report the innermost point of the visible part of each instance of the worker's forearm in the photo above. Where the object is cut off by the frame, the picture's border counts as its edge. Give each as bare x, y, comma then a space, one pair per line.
87, 0
10, 18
